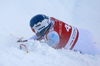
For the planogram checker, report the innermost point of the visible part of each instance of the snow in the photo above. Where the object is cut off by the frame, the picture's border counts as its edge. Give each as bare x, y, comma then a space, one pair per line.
14, 19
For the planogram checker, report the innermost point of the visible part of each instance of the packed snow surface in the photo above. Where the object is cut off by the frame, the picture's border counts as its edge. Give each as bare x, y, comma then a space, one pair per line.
14, 19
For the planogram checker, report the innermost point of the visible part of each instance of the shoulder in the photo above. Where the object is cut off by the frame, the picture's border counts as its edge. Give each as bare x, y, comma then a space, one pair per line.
53, 19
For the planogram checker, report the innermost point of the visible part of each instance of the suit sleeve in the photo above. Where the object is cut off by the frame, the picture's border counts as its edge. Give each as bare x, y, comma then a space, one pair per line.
35, 37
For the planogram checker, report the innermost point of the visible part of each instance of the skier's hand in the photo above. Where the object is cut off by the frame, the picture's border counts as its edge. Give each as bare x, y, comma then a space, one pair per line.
22, 40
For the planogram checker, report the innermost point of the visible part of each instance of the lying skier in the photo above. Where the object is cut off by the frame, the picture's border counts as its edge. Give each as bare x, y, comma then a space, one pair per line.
58, 34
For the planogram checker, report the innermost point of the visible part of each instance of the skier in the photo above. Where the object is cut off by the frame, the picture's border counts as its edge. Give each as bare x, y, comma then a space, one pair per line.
58, 34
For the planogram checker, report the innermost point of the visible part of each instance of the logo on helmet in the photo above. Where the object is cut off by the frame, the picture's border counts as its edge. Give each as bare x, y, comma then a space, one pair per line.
38, 25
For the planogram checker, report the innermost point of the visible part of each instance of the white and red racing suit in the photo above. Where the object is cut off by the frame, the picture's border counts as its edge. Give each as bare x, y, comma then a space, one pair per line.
62, 35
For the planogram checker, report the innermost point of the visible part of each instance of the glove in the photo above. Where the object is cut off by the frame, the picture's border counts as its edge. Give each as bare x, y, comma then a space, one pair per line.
22, 40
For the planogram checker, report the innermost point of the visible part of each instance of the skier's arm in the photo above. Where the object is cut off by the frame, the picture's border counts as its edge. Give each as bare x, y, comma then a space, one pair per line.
35, 37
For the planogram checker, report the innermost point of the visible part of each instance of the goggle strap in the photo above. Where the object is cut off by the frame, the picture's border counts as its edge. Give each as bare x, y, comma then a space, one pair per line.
33, 30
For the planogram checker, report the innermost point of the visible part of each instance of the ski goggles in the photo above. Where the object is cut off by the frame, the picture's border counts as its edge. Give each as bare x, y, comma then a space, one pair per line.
42, 32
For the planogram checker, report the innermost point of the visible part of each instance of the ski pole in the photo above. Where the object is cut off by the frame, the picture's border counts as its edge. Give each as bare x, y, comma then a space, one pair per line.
24, 46
16, 37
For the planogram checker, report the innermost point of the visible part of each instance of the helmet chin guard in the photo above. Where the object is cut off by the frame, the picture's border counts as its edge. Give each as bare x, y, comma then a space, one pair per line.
42, 32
